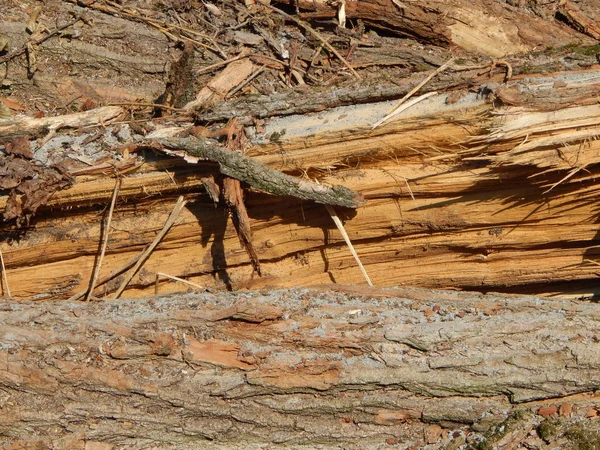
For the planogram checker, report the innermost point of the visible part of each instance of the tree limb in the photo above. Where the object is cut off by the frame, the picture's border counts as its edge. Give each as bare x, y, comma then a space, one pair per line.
261, 177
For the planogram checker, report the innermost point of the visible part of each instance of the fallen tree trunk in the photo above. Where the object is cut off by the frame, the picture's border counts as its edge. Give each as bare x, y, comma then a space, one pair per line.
516, 137
347, 367
528, 164
486, 180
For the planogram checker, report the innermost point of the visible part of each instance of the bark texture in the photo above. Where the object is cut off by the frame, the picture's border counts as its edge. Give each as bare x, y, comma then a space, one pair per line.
349, 368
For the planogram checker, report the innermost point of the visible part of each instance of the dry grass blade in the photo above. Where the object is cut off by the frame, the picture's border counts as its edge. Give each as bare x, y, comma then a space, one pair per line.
396, 108
404, 107
340, 226
98, 265
148, 251
160, 275
5, 288
318, 35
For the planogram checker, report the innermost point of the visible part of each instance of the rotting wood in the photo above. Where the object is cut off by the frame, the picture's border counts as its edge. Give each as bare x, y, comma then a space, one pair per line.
27, 126
47, 35
261, 177
458, 76
495, 28
315, 367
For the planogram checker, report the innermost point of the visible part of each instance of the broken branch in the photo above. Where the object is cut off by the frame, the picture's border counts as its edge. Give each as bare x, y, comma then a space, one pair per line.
259, 176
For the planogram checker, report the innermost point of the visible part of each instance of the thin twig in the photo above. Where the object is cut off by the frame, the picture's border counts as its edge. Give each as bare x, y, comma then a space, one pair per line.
5, 288
171, 277
144, 105
316, 34
98, 265
340, 226
415, 89
245, 83
146, 253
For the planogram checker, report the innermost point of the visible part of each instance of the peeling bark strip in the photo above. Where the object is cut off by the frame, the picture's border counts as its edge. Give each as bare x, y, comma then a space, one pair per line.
261, 177
325, 369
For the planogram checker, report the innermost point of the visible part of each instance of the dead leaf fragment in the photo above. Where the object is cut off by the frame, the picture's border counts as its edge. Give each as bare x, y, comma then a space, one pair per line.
19, 146
31, 186
547, 411
31, 24
13, 105
214, 10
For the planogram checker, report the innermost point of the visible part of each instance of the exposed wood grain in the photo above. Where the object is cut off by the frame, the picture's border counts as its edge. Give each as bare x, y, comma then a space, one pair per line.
475, 196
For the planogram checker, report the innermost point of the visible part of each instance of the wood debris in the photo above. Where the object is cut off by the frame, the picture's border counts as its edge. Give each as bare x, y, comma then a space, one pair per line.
480, 125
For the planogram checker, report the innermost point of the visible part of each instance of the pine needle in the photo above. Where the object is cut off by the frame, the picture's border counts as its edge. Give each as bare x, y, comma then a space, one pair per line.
397, 109
316, 34
160, 275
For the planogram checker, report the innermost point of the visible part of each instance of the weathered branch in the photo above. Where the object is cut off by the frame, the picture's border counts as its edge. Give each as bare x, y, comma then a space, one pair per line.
261, 177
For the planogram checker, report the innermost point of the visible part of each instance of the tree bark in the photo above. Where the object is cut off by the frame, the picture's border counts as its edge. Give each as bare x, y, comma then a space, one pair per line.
350, 367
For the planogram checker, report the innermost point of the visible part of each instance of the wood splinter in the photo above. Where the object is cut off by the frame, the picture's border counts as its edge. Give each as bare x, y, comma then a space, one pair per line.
257, 175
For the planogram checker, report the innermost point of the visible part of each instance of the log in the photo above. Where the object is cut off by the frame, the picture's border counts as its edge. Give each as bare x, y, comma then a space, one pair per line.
486, 181
350, 367
528, 165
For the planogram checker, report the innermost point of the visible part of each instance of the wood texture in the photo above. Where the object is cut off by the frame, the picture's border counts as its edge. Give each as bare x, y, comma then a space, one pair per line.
467, 194
351, 367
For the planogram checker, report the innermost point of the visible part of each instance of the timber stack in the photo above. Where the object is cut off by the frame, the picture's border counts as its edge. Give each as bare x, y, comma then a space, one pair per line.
149, 148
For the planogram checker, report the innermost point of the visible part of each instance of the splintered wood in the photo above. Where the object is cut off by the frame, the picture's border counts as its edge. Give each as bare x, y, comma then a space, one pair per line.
483, 179
457, 195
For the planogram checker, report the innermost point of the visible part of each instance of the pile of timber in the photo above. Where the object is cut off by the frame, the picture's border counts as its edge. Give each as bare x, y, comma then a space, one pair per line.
482, 179
156, 147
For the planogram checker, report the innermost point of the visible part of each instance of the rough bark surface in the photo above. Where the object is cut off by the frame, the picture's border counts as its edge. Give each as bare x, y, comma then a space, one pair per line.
345, 368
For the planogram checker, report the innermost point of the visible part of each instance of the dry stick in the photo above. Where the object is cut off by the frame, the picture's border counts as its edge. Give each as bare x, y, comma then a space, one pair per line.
146, 253
257, 175
340, 226
106, 278
171, 277
245, 82
415, 89
5, 288
316, 34
98, 265
144, 105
